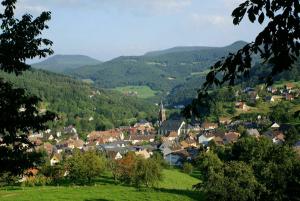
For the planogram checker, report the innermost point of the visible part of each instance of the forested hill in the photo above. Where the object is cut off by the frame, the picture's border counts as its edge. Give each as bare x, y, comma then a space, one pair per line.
63, 63
80, 104
161, 71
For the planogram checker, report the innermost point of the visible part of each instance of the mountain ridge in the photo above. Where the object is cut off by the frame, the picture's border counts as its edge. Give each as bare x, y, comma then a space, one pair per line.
62, 62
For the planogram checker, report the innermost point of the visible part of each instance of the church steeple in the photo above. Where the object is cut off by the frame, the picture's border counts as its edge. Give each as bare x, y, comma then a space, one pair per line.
162, 113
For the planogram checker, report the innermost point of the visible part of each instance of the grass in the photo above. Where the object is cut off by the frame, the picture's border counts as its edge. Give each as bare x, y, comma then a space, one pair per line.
175, 187
142, 91
281, 84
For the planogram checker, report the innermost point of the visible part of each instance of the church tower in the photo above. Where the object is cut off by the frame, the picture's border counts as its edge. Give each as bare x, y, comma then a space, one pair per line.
162, 113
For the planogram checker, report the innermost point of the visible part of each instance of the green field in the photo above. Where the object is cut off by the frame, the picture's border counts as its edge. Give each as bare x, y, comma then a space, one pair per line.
141, 91
176, 186
281, 84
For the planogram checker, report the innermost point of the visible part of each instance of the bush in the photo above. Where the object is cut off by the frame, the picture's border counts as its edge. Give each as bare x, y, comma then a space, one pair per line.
187, 168
55, 173
39, 180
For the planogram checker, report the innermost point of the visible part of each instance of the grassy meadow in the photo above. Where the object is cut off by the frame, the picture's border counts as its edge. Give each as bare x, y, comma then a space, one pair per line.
142, 91
176, 186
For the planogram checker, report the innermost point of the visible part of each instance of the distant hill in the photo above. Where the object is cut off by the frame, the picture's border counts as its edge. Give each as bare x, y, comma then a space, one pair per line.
63, 63
233, 46
161, 70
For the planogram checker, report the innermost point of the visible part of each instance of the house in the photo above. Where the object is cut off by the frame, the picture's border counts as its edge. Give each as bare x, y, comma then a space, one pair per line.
218, 140
165, 148
277, 137
231, 137
209, 126
70, 130
143, 127
289, 86
36, 141
252, 132
194, 128
169, 147
103, 137
117, 144
115, 155
56, 158
172, 125
138, 139
188, 143
225, 120
270, 99
275, 125
177, 158
171, 136
289, 97
205, 138
143, 153
253, 95
272, 90
51, 137
78, 143
241, 105
144, 123
48, 148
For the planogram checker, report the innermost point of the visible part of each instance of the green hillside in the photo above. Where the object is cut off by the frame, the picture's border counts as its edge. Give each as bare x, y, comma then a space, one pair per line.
161, 71
79, 103
62, 63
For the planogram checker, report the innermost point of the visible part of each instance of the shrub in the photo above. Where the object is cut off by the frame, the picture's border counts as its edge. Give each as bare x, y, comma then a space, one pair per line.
187, 168
39, 180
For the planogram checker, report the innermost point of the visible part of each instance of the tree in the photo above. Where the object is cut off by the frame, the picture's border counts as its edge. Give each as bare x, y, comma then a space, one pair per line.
281, 112
83, 167
19, 40
147, 172
272, 171
137, 171
234, 182
292, 136
278, 46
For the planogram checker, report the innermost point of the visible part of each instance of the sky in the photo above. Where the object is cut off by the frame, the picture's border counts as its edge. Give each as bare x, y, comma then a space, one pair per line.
105, 29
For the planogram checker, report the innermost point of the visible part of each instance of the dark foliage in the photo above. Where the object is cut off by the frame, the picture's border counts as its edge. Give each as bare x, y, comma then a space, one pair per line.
277, 45
18, 112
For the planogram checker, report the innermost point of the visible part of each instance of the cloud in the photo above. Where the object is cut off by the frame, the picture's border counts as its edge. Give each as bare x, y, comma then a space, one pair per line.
215, 20
231, 4
133, 6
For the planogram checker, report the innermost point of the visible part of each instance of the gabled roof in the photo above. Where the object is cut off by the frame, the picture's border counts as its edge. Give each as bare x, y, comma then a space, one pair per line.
141, 137
172, 134
232, 136
171, 125
252, 132
275, 125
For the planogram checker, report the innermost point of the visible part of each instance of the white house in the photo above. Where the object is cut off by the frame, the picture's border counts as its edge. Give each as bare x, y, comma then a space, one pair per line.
204, 139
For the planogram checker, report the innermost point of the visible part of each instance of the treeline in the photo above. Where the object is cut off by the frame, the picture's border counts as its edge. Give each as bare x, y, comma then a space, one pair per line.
82, 168
79, 104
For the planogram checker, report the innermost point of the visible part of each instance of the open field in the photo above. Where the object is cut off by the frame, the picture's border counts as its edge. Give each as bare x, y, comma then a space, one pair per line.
140, 91
176, 186
281, 84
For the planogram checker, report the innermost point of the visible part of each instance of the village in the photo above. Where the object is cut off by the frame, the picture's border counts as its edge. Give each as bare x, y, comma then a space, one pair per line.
178, 140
